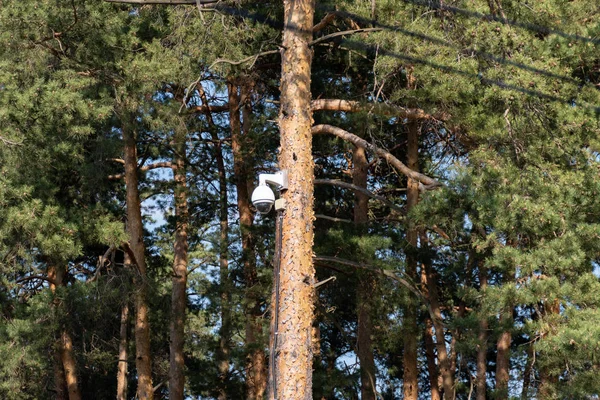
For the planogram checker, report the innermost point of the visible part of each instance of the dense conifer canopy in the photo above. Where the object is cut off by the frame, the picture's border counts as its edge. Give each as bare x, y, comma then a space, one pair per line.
485, 251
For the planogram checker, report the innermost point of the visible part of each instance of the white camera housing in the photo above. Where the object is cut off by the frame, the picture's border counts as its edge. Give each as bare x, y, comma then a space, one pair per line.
263, 196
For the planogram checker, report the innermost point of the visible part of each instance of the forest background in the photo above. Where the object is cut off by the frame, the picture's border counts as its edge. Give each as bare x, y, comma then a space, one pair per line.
456, 179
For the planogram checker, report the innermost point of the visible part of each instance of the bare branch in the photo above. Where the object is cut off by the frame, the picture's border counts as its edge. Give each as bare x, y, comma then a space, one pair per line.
244, 60
429, 183
38, 277
325, 21
410, 286
212, 109
343, 33
163, 164
337, 182
9, 142
334, 219
375, 108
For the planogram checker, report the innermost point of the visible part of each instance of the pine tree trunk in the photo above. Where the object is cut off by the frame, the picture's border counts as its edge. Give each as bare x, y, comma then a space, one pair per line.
225, 332
482, 345
122, 365
431, 365
503, 351
368, 373
293, 353
65, 343
411, 372
256, 375
69, 365
180, 263
527, 372
143, 359
60, 383
446, 372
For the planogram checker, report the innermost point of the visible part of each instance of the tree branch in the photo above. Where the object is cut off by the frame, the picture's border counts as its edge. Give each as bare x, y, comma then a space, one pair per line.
337, 182
334, 219
325, 21
253, 57
162, 164
385, 272
9, 142
375, 108
429, 183
343, 33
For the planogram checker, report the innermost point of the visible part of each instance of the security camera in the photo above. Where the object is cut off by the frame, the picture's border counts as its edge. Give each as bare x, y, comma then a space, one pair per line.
263, 197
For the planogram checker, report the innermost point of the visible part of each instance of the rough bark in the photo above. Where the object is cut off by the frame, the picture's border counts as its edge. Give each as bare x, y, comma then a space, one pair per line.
65, 343
256, 374
480, 379
411, 372
143, 359
366, 283
180, 263
293, 355
446, 372
122, 365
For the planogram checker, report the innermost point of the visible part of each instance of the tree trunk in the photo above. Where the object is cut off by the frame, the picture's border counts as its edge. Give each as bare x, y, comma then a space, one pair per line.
293, 353
122, 365
224, 350
143, 359
225, 332
366, 284
444, 361
256, 374
65, 343
411, 372
180, 263
503, 351
482, 342
527, 372
431, 365
60, 383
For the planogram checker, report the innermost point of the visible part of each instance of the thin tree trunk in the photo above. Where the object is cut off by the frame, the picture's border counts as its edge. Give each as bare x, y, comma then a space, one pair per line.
444, 361
180, 263
225, 333
527, 372
122, 365
293, 355
430, 354
224, 350
256, 375
411, 373
503, 351
368, 373
143, 359
482, 342
65, 343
